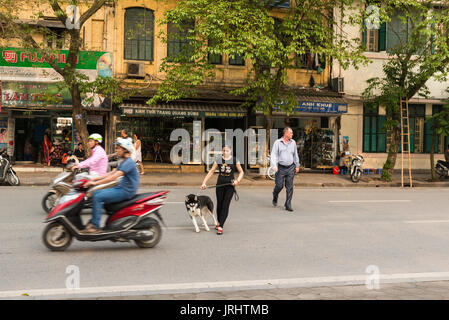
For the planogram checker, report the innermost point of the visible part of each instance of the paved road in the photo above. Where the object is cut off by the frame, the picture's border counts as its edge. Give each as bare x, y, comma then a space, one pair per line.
332, 233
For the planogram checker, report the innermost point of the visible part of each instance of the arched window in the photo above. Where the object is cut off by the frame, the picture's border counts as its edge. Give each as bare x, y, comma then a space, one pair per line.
139, 34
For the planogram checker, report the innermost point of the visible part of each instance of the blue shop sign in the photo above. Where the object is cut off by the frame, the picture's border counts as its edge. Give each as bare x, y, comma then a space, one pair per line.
321, 107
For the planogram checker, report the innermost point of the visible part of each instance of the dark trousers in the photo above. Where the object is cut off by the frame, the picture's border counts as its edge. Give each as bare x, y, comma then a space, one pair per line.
284, 175
224, 197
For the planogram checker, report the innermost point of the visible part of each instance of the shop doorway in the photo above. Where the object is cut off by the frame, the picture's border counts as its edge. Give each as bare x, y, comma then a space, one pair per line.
29, 137
315, 139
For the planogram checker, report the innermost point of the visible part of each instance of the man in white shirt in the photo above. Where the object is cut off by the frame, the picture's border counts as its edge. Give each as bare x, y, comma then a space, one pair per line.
285, 162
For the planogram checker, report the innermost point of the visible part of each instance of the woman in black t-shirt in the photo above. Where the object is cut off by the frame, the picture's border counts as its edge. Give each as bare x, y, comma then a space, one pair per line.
227, 165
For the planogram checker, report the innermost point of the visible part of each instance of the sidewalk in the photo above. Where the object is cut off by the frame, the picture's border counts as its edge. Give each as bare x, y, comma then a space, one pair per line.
435, 290
30, 176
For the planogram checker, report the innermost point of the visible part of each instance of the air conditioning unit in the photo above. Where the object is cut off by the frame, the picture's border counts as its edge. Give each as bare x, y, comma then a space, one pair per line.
135, 70
338, 85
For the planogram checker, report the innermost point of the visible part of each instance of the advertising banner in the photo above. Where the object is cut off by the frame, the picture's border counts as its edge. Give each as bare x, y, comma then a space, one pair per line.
28, 78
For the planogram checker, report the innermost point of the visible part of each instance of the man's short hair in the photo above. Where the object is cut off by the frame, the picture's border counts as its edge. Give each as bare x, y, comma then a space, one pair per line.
287, 128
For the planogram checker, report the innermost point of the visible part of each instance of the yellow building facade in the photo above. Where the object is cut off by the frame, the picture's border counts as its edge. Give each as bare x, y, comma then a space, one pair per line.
138, 65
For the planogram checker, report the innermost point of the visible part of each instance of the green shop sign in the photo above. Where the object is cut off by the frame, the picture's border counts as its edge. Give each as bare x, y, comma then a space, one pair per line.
28, 58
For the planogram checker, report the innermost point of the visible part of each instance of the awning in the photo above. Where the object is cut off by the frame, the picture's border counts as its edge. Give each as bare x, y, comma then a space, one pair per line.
41, 23
207, 110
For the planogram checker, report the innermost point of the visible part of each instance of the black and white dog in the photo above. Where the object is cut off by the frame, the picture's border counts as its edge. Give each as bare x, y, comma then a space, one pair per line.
200, 206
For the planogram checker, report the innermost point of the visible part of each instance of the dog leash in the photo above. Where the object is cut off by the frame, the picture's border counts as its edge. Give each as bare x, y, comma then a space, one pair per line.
219, 185
236, 196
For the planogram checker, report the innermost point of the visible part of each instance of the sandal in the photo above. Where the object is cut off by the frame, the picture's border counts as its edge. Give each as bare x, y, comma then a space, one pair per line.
219, 230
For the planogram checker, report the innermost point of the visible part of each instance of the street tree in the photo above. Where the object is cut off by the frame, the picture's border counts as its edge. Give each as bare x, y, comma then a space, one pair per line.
418, 52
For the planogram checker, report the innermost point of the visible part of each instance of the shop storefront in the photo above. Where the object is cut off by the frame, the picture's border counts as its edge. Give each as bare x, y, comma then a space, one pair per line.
156, 123
316, 125
32, 117
34, 100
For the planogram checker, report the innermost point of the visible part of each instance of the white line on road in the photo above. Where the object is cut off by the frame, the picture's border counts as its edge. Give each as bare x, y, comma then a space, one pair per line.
172, 288
367, 201
426, 221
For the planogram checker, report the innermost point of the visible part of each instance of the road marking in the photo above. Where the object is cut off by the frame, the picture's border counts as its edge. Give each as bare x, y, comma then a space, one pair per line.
426, 221
172, 288
367, 201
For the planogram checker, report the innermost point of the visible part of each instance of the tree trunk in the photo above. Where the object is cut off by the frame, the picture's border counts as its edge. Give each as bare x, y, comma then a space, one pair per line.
268, 127
432, 153
79, 117
395, 140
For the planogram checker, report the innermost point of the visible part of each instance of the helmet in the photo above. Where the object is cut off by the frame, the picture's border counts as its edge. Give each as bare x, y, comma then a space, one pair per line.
96, 137
125, 144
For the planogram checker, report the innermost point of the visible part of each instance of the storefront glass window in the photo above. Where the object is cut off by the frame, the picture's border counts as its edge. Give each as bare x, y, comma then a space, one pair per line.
155, 134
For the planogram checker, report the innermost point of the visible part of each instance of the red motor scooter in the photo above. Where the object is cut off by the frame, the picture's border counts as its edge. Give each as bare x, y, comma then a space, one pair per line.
128, 220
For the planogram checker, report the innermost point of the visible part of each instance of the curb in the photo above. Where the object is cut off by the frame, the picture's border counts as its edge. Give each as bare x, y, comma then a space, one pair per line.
197, 287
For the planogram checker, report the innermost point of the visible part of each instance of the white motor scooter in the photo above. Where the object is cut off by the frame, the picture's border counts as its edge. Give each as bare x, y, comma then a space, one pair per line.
355, 167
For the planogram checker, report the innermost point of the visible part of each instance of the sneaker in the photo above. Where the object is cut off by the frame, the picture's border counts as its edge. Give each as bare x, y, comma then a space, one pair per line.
219, 230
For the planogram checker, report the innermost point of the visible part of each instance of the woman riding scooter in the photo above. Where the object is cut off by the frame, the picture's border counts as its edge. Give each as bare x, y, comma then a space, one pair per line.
98, 160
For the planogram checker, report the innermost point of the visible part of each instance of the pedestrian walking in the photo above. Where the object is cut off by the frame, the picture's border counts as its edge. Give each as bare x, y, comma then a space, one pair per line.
138, 148
285, 162
227, 166
47, 146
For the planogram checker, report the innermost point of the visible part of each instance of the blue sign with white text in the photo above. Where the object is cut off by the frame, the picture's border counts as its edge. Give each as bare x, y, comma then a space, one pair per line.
321, 107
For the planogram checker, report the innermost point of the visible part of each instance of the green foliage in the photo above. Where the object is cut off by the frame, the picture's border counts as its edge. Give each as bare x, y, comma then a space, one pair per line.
269, 39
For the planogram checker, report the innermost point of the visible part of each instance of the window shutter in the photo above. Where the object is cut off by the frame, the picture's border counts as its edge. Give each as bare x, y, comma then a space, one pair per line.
382, 37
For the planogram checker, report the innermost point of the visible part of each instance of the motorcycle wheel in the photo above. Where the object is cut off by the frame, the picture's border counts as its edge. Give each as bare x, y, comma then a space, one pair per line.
56, 237
157, 234
12, 179
356, 176
49, 201
440, 172
270, 173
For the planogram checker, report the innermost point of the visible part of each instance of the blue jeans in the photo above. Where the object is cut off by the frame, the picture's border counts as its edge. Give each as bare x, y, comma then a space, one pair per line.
102, 197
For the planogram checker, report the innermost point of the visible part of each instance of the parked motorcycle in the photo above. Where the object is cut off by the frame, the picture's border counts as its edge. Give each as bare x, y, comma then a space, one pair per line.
442, 169
129, 220
355, 167
7, 173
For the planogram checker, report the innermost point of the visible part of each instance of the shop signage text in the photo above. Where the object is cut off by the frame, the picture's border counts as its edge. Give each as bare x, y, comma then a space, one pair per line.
321, 107
317, 107
180, 113
17, 57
